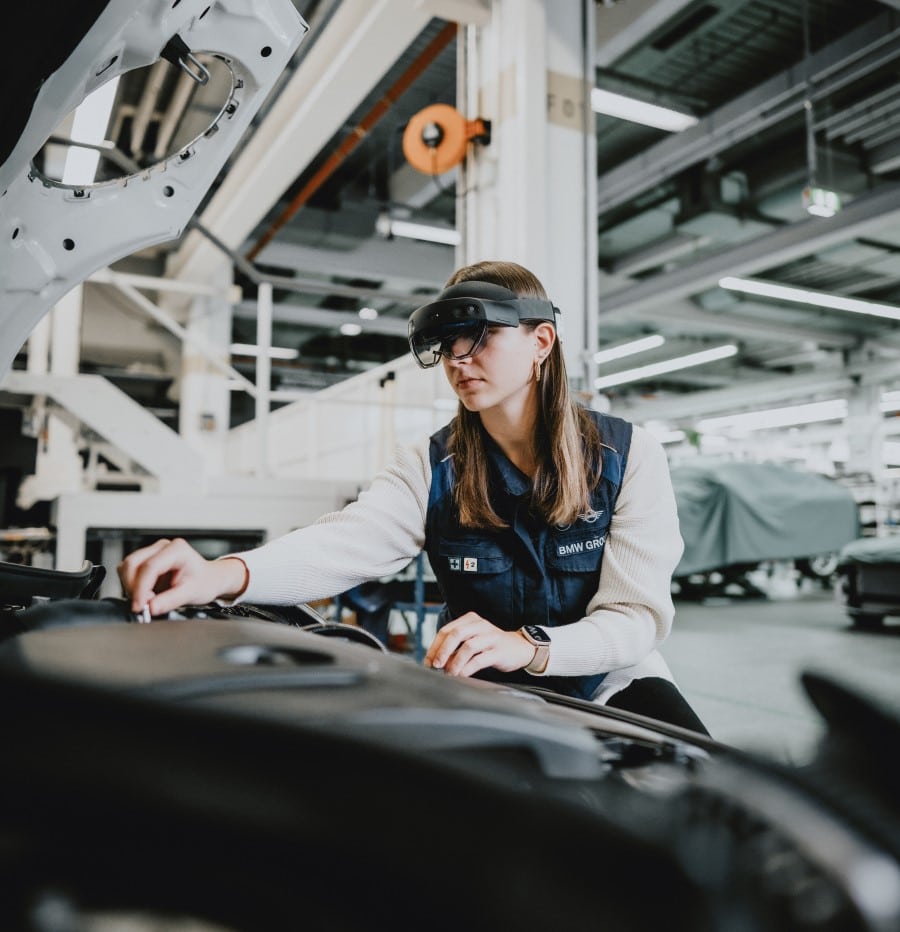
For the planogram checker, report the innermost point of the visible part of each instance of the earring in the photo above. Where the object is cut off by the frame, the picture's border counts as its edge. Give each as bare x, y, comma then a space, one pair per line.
537, 369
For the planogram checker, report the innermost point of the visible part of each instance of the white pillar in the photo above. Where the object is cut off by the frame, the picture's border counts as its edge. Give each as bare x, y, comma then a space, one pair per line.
205, 399
39, 346
865, 431
530, 195
58, 467
113, 554
65, 354
263, 373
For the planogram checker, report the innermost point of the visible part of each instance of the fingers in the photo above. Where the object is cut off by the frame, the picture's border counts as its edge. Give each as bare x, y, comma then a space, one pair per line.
170, 566
471, 643
128, 571
464, 646
474, 654
448, 639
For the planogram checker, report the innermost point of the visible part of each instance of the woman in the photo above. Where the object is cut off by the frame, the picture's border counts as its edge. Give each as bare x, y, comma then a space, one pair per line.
552, 530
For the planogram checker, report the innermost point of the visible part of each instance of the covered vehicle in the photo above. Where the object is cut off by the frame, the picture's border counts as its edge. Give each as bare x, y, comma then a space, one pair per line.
736, 515
262, 769
869, 580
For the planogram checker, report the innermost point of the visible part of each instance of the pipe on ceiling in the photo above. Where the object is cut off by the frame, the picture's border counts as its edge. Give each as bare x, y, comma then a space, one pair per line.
147, 106
357, 134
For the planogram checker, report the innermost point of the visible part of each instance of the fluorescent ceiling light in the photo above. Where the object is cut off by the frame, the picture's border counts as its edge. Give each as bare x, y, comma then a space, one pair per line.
667, 365
275, 352
805, 296
789, 416
792, 415
638, 111
890, 401
663, 432
389, 226
426, 232
351, 330
671, 436
627, 349
368, 313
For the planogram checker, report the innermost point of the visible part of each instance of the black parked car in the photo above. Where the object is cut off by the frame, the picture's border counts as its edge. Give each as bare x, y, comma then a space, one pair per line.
261, 768
869, 580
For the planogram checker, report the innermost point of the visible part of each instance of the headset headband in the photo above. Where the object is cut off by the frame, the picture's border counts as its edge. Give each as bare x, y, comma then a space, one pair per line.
474, 301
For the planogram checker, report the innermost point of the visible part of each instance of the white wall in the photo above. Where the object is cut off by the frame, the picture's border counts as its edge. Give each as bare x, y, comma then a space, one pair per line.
349, 431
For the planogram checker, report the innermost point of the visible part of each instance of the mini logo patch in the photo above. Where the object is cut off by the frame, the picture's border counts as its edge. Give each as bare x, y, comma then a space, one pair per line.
455, 563
470, 565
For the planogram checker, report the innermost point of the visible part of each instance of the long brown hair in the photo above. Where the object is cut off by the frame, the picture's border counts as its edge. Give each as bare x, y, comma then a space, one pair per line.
566, 443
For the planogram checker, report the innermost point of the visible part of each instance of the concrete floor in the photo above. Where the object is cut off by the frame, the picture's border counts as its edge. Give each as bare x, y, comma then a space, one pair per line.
738, 662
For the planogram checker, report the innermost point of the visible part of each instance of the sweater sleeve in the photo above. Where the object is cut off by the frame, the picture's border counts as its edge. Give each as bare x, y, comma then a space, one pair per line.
376, 535
632, 611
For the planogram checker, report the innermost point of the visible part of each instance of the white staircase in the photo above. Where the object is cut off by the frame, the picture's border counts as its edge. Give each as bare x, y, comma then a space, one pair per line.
107, 411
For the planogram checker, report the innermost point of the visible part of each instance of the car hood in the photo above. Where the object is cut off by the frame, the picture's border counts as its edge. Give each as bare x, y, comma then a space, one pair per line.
54, 234
235, 735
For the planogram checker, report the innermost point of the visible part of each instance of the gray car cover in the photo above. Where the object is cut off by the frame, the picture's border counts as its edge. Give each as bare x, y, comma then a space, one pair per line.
739, 512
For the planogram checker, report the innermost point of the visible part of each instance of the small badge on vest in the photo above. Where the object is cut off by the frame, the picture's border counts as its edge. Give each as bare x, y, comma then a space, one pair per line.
463, 564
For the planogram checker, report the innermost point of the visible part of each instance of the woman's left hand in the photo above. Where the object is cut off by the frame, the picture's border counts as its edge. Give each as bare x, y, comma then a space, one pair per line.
471, 643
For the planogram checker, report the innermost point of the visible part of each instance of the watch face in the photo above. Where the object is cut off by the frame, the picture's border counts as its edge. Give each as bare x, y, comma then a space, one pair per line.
536, 633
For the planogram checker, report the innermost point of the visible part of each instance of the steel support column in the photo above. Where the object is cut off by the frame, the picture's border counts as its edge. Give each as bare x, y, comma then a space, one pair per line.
864, 427
528, 196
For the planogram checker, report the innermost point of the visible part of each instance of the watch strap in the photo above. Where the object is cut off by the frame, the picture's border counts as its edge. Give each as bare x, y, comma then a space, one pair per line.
538, 663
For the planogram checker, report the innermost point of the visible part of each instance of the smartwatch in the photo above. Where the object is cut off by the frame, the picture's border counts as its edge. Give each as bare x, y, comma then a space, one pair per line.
537, 636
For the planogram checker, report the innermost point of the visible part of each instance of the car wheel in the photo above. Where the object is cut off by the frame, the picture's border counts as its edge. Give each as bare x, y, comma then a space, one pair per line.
694, 587
865, 621
820, 567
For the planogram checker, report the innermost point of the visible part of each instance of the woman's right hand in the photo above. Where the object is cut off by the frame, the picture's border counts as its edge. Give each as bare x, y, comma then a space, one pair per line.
170, 573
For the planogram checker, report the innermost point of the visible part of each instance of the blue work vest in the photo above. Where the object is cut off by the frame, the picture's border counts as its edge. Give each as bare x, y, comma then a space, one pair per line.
529, 572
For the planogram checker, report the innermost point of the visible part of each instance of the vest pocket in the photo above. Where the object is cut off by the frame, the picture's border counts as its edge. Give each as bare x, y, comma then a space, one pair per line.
472, 557
579, 550
476, 576
573, 563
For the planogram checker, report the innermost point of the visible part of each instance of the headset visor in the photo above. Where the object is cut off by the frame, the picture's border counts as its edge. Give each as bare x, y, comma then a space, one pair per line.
457, 327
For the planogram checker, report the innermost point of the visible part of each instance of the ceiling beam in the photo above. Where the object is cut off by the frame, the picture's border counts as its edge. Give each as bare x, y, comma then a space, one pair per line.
360, 42
744, 395
755, 395
685, 316
858, 53
623, 26
792, 241
322, 318
406, 264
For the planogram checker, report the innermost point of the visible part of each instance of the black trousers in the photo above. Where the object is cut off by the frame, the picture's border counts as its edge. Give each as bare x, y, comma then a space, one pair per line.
660, 699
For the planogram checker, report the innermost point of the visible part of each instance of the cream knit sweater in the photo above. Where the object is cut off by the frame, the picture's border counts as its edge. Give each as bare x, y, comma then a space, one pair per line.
378, 534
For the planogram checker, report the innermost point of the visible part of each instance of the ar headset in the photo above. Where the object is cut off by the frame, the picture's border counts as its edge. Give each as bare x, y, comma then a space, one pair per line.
456, 324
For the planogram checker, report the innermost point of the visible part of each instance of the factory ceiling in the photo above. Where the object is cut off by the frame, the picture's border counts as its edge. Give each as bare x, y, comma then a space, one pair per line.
787, 94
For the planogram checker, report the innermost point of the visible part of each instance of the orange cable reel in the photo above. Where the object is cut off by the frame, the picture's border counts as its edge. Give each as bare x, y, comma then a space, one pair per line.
436, 138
